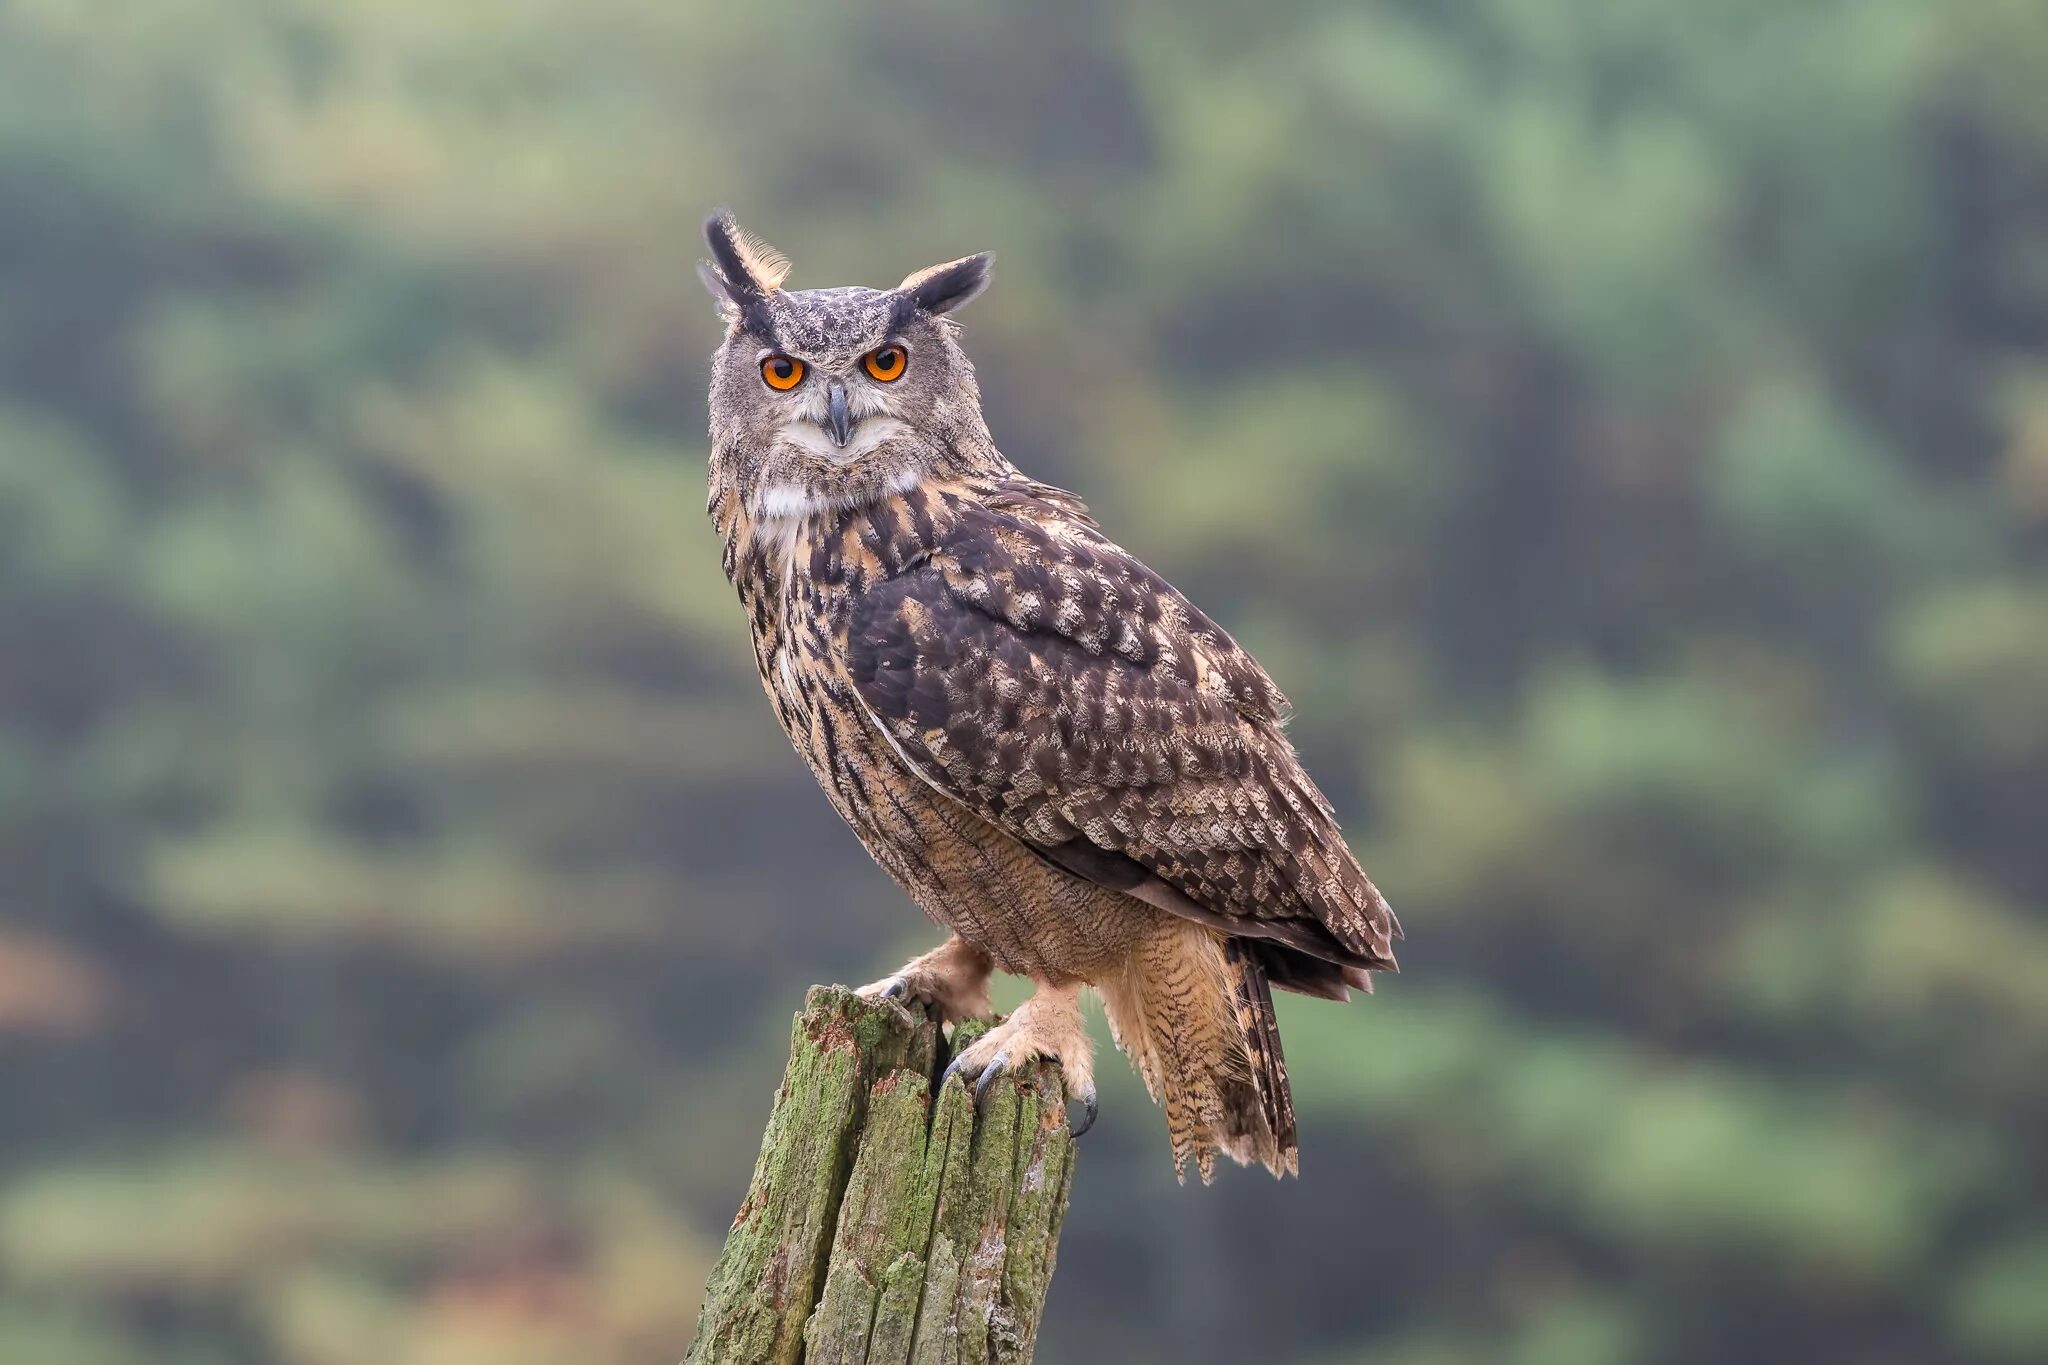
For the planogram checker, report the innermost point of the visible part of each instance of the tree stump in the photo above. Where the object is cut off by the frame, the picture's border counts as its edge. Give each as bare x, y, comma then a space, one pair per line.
880, 1229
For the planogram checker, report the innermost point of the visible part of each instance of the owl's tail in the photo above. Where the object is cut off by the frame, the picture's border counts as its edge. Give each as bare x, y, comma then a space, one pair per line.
1193, 1011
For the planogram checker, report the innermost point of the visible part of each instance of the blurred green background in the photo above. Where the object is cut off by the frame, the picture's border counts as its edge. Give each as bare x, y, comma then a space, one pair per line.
1622, 426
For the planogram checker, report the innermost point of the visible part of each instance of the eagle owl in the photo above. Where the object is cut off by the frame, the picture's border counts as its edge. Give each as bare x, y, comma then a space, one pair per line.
1062, 759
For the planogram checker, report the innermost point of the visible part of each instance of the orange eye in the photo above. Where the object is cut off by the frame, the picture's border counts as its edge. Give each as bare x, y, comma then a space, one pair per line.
782, 372
886, 363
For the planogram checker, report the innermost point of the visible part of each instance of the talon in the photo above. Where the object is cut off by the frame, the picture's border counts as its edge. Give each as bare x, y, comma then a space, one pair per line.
1078, 1126
896, 989
988, 1076
952, 1069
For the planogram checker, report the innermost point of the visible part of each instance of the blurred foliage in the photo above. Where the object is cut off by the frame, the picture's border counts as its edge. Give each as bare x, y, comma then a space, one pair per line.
1622, 427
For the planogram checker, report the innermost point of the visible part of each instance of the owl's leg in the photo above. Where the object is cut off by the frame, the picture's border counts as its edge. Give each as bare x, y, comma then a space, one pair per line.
1047, 1025
952, 978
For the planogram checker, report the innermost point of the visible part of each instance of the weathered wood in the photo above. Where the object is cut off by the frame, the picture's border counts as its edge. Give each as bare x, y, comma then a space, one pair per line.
878, 1231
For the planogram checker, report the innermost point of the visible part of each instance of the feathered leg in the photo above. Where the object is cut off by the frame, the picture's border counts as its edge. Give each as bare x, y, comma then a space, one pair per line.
1195, 1015
1047, 1025
952, 978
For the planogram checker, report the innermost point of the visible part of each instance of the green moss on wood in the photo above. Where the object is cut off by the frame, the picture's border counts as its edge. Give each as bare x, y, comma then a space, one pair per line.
881, 1227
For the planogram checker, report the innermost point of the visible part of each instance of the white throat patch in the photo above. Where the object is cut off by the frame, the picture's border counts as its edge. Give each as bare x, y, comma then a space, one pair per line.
870, 435
792, 502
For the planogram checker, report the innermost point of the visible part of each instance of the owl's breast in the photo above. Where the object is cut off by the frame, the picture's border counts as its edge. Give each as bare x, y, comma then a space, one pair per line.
798, 658
803, 596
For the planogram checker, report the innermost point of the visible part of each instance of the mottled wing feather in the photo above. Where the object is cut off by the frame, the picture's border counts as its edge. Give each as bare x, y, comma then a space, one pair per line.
1064, 691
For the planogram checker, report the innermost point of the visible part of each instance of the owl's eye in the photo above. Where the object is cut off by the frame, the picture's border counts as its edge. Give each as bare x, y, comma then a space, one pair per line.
782, 372
886, 363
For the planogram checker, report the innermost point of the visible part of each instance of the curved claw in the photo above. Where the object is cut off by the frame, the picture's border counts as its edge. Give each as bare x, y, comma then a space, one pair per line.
995, 1068
897, 989
952, 1069
1078, 1126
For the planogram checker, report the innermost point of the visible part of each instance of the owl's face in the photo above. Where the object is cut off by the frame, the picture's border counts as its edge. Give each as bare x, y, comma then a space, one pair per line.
832, 397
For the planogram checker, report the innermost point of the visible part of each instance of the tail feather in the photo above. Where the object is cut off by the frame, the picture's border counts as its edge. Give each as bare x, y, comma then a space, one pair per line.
1193, 1011
1261, 1028
1287, 968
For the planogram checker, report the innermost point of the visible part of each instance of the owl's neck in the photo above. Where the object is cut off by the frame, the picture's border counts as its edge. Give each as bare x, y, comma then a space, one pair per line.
781, 537
777, 528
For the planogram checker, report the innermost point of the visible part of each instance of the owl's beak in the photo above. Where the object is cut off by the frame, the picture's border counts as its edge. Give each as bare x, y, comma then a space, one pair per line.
838, 420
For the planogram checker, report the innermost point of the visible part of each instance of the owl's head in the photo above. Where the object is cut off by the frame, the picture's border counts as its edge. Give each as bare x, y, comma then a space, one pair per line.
835, 397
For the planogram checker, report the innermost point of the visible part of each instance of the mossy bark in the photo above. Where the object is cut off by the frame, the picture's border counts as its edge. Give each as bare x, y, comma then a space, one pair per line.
879, 1229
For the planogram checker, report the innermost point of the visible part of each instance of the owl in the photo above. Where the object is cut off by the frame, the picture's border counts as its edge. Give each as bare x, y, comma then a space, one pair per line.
1064, 761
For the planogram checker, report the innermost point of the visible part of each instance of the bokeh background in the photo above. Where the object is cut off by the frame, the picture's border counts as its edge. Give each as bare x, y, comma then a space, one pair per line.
1622, 426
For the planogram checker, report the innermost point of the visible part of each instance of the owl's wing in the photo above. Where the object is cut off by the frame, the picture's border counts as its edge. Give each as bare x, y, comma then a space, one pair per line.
1059, 688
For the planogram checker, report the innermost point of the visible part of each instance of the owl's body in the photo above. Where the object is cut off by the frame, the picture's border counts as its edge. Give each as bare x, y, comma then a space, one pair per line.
1062, 760
812, 585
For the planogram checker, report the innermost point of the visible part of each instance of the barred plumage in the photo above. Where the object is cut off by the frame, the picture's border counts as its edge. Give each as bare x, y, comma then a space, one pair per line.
1058, 755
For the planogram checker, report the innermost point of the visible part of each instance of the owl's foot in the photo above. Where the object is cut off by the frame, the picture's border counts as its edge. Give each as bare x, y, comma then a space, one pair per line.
1048, 1025
951, 979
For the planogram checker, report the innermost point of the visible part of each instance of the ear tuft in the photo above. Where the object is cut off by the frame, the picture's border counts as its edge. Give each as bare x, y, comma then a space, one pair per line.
743, 269
942, 288
768, 266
